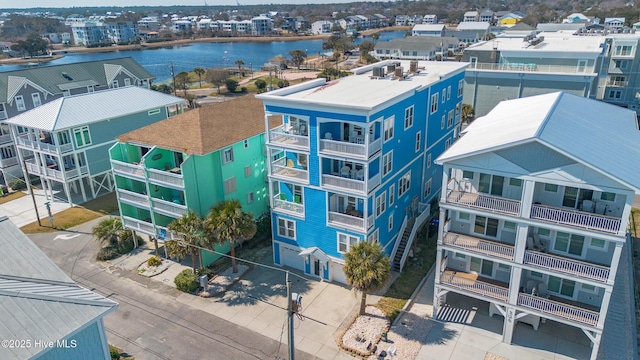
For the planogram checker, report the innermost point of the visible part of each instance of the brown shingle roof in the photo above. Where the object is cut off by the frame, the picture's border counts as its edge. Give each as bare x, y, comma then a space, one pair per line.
205, 129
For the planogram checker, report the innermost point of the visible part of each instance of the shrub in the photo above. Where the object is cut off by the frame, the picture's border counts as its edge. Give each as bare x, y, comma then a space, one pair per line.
107, 253
283, 83
186, 281
204, 271
126, 244
243, 89
154, 261
115, 352
17, 184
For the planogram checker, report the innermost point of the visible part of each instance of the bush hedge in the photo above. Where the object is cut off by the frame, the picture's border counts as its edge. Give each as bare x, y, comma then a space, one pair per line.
107, 253
186, 281
17, 184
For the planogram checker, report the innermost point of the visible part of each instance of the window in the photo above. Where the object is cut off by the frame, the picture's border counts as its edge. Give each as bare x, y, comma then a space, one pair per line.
608, 196
623, 50
388, 129
460, 87
392, 193
390, 222
481, 266
287, 228
381, 203
589, 288
82, 136
444, 95
408, 117
491, 184
569, 243
230, 185
250, 197
418, 135
35, 97
7, 152
617, 80
463, 216
466, 174
245, 143
429, 161
387, 163
404, 183
486, 226
544, 232
598, 243
427, 188
247, 171
551, 187
434, 103
450, 119
622, 64
561, 286
374, 237
615, 94
515, 182
115, 84
20, 103
153, 112
448, 92
227, 155
504, 267
535, 274
127, 82
345, 241
443, 121
447, 144
460, 256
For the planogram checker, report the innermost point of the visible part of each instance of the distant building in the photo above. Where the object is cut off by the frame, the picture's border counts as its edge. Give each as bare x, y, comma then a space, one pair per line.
614, 24
89, 33
416, 48
430, 19
470, 16
322, 26
261, 25
428, 30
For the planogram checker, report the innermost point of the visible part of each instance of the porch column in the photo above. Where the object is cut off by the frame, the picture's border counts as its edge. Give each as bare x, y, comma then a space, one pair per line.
626, 212
445, 183
604, 306
595, 345
93, 191
514, 285
84, 193
521, 242
615, 261
528, 187
436, 280
66, 190
508, 325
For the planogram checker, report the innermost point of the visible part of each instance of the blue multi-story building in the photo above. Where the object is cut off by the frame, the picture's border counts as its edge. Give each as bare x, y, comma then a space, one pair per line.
353, 160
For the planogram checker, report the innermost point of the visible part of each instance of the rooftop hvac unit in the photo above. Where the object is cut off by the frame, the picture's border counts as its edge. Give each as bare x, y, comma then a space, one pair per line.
378, 71
398, 72
391, 68
413, 67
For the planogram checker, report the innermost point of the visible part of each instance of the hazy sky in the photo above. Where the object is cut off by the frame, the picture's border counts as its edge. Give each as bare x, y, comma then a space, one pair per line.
76, 3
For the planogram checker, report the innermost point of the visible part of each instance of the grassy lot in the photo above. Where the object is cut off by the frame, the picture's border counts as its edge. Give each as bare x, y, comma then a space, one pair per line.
413, 272
104, 205
635, 222
11, 196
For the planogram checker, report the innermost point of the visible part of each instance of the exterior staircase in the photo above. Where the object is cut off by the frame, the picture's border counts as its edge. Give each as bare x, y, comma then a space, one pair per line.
406, 235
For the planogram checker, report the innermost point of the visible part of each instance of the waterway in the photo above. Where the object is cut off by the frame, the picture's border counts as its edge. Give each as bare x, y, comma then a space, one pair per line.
206, 55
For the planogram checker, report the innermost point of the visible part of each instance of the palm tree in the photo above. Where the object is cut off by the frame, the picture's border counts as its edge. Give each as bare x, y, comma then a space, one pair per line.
191, 228
239, 63
367, 268
468, 113
109, 231
177, 249
199, 72
227, 221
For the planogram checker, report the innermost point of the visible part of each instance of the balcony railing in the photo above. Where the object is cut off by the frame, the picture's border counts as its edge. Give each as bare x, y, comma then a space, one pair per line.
576, 218
344, 183
278, 168
485, 202
5, 139
287, 206
139, 225
622, 83
169, 208
561, 310
478, 245
133, 198
361, 151
8, 162
340, 219
475, 286
568, 266
75, 172
42, 146
165, 178
532, 67
127, 170
278, 136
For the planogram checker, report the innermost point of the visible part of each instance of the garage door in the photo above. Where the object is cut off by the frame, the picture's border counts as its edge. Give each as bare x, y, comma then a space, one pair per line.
291, 258
336, 274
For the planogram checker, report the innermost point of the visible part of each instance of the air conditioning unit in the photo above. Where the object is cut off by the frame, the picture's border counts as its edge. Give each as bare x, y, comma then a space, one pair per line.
398, 72
413, 67
391, 68
378, 71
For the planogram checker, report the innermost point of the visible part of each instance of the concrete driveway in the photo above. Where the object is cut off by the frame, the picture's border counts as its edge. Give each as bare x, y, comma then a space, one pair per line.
21, 211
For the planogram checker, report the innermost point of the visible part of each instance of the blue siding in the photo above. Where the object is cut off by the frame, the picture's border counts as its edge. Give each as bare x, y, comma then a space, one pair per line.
276, 253
86, 344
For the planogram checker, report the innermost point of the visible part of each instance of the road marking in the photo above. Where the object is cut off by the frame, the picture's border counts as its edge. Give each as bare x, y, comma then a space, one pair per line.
65, 237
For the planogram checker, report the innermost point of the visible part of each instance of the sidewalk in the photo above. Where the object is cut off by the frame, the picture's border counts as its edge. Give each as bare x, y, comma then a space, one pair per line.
21, 212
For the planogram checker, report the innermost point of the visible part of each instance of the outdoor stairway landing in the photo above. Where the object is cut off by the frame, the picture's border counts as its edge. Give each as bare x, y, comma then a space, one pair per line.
403, 244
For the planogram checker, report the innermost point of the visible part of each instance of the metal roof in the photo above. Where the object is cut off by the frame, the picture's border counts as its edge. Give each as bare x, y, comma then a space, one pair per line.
37, 299
83, 109
51, 78
588, 131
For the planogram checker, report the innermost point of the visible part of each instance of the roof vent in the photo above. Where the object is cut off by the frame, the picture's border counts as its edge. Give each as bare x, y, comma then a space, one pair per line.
66, 76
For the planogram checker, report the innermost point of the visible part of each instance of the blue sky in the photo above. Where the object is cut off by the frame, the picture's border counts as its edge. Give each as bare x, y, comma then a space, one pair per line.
78, 3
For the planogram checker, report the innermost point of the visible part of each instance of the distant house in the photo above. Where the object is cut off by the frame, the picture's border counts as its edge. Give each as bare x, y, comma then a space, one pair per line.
486, 16
322, 26
430, 19
614, 24
428, 30
481, 28
416, 47
39, 302
509, 19
470, 16
576, 18
261, 25
5, 46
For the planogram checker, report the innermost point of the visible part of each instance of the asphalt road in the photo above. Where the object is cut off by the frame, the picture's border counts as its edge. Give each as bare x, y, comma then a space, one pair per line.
150, 323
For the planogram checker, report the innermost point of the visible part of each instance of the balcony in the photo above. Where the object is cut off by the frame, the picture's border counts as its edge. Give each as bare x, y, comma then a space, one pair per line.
279, 169
287, 207
4, 139
134, 171
479, 245
357, 185
5, 163
469, 282
139, 225
133, 198
171, 179
566, 265
353, 221
531, 67
76, 172
559, 309
579, 219
43, 146
617, 83
484, 202
354, 149
288, 139
172, 209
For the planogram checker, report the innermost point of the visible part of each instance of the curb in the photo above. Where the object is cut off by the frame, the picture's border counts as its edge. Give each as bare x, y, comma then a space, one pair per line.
413, 296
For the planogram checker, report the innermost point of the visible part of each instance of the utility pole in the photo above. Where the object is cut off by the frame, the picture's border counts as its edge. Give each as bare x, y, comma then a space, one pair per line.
173, 75
290, 313
33, 197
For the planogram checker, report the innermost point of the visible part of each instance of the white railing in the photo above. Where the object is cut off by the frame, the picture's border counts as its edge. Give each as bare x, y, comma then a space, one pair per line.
344, 183
53, 173
478, 245
33, 168
138, 225
281, 138
5, 139
361, 151
576, 218
486, 202
287, 206
66, 147
167, 207
565, 311
399, 239
133, 197
531, 67
290, 172
9, 162
126, 169
165, 177
475, 286
346, 220
569, 266
37, 145
414, 232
